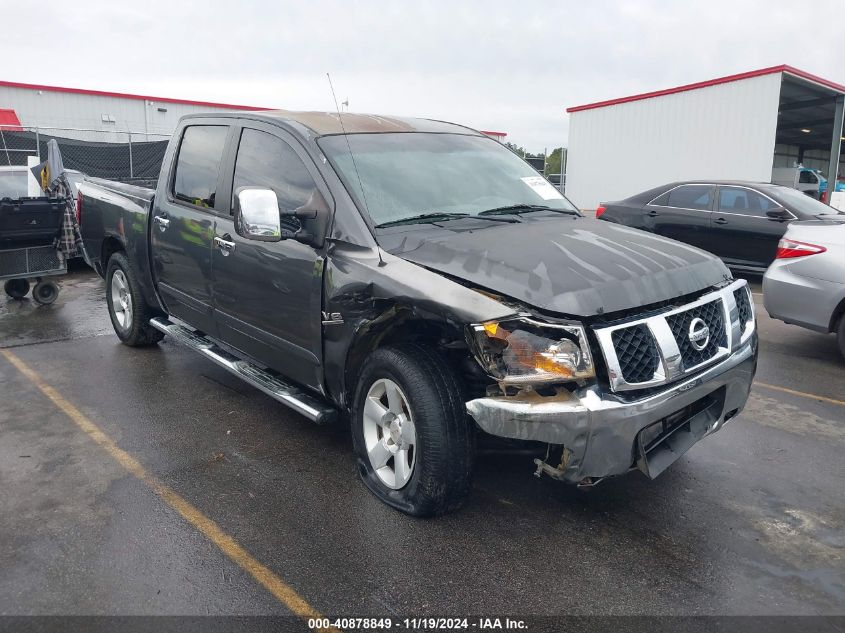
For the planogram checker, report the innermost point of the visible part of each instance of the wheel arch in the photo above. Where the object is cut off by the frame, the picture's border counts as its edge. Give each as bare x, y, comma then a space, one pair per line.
838, 313
399, 325
111, 245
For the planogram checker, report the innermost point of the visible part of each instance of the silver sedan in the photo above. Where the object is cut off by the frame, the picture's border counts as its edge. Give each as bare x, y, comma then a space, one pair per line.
805, 285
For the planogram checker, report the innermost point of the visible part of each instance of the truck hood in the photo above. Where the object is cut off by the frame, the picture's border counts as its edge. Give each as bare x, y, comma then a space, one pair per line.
564, 264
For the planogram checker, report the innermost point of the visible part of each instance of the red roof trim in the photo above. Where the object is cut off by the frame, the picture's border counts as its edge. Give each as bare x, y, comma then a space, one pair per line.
122, 95
488, 133
783, 68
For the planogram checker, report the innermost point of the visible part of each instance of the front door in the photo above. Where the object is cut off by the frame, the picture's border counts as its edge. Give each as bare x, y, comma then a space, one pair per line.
748, 237
267, 295
183, 226
683, 214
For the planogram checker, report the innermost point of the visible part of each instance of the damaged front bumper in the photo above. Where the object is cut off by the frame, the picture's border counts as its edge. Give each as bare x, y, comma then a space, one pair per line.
601, 432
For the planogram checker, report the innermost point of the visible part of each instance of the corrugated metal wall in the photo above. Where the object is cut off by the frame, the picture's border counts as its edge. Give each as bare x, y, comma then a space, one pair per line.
46, 108
726, 131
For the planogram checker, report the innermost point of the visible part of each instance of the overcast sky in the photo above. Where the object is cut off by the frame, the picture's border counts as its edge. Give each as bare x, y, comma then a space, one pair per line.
494, 65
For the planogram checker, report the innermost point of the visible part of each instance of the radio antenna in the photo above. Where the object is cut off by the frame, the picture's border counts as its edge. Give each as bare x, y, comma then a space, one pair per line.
352, 156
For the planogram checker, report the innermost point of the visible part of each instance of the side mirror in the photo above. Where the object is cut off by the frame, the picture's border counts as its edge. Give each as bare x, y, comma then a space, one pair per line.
257, 214
257, 217
780, 215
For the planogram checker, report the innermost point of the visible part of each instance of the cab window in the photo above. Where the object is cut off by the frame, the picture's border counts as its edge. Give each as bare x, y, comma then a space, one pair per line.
198, 164
807, 177
265, 160
691, 197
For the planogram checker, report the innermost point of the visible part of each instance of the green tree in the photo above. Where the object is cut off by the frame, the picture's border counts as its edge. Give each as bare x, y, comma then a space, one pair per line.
553, 161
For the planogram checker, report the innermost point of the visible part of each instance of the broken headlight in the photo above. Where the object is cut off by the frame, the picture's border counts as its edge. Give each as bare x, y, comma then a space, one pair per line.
522, 351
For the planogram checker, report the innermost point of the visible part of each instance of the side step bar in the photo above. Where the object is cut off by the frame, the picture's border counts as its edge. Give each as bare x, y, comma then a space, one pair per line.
312, 407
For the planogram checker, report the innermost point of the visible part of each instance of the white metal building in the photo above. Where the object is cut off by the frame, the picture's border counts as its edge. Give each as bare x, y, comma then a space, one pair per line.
736, 127
68, 109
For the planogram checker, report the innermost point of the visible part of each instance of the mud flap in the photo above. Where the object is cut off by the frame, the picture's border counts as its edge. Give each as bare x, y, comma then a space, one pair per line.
662, 444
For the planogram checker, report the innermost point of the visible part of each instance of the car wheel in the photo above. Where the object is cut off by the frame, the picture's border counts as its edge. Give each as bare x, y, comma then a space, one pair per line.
16, 288
414, 443
840, 335
130, 315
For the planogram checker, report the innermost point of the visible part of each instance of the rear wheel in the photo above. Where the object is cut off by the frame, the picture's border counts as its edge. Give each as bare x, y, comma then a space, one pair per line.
414, 443
130, 315
16, 288
840, 335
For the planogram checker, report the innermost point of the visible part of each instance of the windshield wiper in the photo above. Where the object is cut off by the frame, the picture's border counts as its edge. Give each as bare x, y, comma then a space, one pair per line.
421, 217
519, 209
440, 215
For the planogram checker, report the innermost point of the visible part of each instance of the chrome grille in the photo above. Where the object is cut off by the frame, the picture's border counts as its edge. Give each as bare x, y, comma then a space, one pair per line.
660, 348
637, 353
713, 315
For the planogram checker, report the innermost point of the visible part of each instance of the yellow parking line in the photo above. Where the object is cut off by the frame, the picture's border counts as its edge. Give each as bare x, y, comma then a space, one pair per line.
228, 545
802, 394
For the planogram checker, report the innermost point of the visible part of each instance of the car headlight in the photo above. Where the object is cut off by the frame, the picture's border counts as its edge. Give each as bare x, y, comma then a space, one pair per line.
521, 351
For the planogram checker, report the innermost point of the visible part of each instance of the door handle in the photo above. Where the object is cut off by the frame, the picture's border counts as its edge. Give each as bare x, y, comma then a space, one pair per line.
652, 214
162, 222
225, 246
720, 221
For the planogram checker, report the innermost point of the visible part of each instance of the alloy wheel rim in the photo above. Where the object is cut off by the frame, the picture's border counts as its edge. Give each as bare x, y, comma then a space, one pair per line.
390, 435
121, 300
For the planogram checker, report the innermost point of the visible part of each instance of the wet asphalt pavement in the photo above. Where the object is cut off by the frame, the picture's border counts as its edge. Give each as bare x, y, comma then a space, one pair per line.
750, 521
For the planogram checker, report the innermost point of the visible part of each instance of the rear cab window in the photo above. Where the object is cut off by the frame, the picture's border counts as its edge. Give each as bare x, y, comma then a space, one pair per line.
699, 197
198, 165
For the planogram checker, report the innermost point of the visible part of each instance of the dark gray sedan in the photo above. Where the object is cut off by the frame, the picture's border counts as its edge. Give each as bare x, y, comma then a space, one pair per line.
740, 222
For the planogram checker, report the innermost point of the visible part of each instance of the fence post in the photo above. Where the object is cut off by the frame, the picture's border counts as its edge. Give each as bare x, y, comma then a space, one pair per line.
38, 144
131, 166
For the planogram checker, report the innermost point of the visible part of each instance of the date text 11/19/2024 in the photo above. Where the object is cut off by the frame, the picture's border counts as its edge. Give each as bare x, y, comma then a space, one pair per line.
416, 624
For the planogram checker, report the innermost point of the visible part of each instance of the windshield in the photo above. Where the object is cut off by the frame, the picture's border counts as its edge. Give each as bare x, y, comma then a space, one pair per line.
13, 184
803, 204
405, 175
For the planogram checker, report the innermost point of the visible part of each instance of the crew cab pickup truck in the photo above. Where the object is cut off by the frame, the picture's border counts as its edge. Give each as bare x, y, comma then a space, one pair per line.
418, 281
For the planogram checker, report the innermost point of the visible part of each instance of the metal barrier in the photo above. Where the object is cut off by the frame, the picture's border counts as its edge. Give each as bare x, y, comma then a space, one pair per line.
125, 156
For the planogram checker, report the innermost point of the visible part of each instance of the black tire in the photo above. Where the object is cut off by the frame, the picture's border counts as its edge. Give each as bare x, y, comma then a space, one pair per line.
840, 335
136, 331
16, 288
45, 292
445, 440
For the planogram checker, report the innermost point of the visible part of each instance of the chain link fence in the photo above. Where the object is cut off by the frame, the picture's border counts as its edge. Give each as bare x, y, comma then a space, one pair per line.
130, 157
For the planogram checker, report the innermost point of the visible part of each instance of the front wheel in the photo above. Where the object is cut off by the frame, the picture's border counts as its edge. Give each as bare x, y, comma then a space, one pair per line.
130, 315
414, 443
840, 335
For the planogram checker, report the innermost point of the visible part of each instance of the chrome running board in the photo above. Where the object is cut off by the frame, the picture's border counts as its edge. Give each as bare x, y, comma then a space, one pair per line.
268, 381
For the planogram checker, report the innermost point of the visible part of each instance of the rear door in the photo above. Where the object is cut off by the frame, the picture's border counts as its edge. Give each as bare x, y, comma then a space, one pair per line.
267, 295
746, 235
183, 225
683, 214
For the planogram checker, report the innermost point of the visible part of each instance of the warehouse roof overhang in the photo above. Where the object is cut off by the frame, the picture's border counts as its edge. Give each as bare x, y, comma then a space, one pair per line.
816, 86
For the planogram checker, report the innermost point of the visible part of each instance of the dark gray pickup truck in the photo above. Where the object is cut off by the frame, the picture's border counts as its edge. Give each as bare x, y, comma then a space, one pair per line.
420, 282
